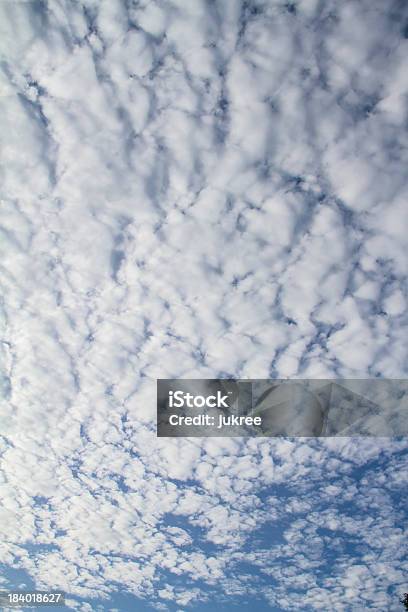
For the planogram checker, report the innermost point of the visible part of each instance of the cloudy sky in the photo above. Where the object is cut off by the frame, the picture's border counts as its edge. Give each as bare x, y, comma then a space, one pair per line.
199, 188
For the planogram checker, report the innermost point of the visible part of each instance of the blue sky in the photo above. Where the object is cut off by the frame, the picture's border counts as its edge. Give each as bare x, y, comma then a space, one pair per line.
199, 189
328, 532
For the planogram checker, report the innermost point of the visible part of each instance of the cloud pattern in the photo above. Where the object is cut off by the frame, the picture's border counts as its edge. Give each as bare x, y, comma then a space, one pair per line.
199, 189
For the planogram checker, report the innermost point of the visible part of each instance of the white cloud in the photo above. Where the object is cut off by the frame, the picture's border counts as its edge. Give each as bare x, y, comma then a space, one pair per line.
192, 189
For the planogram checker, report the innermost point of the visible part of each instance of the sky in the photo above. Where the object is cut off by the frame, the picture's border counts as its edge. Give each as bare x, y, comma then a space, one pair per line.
199, 189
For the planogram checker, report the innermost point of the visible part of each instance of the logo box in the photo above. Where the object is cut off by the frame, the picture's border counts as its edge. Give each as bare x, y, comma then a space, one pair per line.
278, 407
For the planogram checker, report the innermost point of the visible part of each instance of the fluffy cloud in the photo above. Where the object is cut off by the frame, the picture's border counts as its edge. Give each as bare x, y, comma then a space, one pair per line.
199, 190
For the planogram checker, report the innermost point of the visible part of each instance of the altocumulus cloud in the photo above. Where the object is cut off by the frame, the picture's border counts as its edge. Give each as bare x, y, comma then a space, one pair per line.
199, 189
